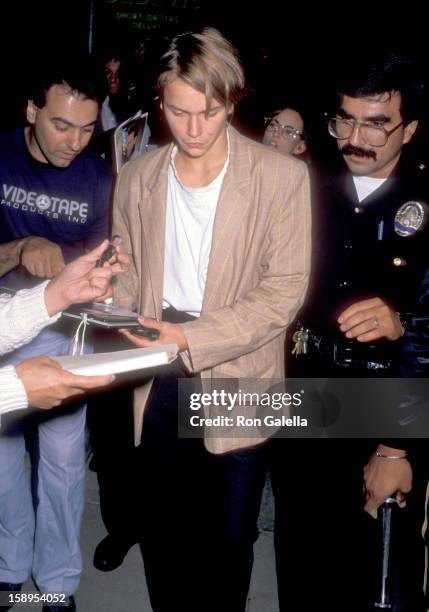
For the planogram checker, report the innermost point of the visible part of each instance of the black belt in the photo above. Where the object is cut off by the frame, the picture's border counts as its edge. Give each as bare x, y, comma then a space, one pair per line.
340, 352
172, 315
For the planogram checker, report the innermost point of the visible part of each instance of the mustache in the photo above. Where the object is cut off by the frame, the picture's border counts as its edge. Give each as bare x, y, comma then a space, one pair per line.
349, 149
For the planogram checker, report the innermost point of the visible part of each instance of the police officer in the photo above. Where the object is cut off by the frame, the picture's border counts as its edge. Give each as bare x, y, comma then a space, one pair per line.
368, 264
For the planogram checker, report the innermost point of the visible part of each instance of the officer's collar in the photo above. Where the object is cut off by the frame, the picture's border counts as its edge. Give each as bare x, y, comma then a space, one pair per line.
391, 179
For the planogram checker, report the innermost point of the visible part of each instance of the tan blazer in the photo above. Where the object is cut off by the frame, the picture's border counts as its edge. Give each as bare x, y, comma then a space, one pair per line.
258, 266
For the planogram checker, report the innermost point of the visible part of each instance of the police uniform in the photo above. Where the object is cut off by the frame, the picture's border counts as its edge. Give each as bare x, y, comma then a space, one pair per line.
374, 248
414, 364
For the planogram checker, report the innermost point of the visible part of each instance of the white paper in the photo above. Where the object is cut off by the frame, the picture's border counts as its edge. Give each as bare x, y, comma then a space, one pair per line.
116, 362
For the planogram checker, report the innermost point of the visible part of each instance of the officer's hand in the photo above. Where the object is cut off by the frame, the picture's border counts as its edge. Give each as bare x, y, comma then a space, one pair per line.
370, 320
169, 333
42, 257
47, 384
386, 477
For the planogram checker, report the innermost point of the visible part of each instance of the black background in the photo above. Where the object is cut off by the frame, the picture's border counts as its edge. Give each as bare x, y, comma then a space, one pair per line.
286, 49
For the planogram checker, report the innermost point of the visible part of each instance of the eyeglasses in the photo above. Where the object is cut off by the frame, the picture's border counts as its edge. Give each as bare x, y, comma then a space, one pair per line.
287, 131
373, 135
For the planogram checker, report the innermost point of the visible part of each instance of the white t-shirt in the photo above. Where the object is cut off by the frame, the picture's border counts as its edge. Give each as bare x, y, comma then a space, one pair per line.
365, 185
188, 239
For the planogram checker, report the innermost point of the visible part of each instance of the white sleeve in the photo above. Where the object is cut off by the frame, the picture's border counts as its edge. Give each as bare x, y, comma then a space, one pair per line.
22, 317
12, 391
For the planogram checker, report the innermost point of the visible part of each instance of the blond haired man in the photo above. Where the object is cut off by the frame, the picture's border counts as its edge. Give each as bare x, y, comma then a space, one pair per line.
218, 227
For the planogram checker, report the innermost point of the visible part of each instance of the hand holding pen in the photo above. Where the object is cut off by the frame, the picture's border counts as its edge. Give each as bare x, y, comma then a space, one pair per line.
109, 252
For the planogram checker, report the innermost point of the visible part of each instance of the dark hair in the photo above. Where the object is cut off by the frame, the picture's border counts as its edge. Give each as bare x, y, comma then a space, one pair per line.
386, 72
76, 73
207, 62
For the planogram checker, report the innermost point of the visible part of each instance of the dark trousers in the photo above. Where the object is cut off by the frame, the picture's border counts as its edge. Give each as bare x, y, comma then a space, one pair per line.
200, 511
199, 523
115, 457
327, 547
322, 535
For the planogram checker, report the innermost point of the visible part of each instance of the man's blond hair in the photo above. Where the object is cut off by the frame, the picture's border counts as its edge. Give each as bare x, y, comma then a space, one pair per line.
208, 63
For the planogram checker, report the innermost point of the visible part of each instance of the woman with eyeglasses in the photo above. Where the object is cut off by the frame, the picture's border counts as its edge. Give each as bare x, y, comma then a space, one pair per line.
284, 130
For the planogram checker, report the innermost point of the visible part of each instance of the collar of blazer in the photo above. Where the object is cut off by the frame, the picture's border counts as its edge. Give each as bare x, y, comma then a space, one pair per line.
235, 197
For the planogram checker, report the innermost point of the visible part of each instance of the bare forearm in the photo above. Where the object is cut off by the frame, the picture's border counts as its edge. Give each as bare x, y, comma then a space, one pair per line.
10, 254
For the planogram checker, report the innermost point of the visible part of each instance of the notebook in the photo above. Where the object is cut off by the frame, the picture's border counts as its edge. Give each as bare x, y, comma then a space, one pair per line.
116, 362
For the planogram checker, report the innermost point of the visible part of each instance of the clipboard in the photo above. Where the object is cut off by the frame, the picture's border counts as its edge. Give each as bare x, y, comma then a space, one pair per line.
104, 315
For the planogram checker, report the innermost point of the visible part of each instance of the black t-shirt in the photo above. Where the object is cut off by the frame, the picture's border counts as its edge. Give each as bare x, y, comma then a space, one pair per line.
68, 206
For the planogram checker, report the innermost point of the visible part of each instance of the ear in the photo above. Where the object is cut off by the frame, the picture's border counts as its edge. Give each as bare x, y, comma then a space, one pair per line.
409, 131
300, 148
161, 104
31, 111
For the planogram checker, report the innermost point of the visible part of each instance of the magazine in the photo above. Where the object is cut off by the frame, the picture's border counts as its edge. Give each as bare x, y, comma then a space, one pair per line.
130, 139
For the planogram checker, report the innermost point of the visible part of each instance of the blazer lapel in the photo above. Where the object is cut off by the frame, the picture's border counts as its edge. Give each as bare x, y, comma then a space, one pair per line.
152, 209
234, 198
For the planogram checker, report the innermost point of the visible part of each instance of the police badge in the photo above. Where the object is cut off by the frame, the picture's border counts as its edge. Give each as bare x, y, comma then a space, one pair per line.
409, 218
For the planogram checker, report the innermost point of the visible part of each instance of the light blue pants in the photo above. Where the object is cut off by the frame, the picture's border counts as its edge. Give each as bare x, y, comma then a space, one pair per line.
39, 534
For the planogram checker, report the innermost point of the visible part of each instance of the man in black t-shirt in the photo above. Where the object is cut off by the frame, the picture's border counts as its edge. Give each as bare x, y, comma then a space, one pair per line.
54, 196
